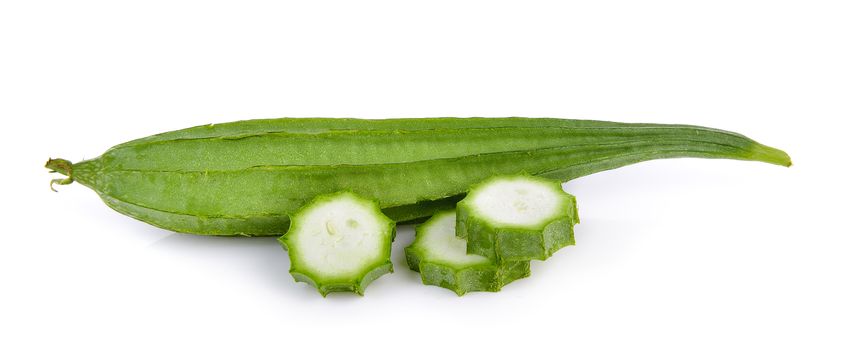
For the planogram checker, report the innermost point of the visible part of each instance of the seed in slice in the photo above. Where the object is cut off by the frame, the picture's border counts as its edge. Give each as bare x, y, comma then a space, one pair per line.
516, 217
339, 243
441, 259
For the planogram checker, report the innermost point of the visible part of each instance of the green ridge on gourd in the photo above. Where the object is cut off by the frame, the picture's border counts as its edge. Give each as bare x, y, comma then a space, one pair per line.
516, 218
245, 178
440, 258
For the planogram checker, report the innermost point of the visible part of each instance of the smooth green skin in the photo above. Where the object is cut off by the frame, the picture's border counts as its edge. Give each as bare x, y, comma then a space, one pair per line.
516, 243
326, 284
461, 279
245, 178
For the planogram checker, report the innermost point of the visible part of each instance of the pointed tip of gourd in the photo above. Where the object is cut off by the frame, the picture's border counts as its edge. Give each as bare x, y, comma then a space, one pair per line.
61, 166
771, 155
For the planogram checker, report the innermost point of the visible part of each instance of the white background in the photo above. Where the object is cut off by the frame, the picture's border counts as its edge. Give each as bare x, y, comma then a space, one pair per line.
671, 254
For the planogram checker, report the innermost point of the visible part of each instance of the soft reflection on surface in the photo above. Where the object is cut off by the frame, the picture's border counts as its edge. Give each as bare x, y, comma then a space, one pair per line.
260, 258
263, 260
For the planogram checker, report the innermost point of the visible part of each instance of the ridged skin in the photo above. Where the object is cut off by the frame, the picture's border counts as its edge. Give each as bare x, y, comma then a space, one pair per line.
245, 178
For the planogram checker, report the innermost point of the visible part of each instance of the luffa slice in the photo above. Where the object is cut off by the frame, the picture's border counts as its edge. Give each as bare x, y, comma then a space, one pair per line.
517, 218
339, 243
441, 259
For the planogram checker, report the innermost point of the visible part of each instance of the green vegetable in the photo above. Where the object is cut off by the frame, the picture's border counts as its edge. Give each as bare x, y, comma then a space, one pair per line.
440, 258
245, 178
516, 218
339, 243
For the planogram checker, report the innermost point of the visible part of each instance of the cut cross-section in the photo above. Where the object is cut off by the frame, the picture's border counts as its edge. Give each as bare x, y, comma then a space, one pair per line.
339, 242
516, 218
441, 259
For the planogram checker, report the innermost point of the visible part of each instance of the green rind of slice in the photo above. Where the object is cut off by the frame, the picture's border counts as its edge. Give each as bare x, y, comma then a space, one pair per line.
459, 272
357, 286
503, 241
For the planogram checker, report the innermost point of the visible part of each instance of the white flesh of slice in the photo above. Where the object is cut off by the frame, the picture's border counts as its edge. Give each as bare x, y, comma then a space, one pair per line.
517, 202
440, 245
339, 238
